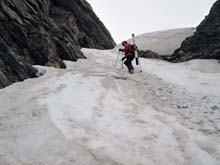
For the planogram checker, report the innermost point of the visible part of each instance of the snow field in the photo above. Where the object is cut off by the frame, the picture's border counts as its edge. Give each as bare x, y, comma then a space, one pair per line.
95, 113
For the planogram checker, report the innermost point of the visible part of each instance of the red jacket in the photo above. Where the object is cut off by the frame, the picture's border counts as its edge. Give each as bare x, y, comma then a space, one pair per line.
128, 50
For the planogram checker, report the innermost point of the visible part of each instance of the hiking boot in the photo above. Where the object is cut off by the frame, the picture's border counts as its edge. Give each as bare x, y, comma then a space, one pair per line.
131, 71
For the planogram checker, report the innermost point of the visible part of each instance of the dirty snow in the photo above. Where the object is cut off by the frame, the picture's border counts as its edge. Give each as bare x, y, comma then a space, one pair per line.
96, 114
199, 76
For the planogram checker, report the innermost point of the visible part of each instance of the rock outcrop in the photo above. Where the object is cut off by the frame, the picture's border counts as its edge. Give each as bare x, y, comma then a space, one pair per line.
153, 55
46, 32
149, 54
205, 43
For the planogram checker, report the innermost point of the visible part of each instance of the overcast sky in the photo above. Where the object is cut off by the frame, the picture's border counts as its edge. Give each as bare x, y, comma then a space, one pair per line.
123, 17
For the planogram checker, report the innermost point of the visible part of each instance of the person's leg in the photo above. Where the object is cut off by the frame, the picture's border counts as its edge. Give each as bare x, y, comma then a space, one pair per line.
126, 62
129, 63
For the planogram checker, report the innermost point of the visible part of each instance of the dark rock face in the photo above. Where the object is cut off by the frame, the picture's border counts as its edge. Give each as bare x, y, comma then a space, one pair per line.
82, 22
153, 55
205, 43
46, 32
149, 54
10, 69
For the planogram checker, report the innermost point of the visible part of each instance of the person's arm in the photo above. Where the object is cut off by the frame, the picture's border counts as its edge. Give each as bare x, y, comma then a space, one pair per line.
121, 50
123, 58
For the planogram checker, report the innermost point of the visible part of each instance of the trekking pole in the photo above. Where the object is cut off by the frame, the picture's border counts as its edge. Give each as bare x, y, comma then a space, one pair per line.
122, 65
140, 66
117, 60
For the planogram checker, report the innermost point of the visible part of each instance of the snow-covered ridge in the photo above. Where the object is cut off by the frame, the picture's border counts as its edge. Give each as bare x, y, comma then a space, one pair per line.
163, 42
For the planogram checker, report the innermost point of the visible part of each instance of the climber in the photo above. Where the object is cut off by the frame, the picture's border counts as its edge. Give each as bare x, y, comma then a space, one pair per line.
129, 56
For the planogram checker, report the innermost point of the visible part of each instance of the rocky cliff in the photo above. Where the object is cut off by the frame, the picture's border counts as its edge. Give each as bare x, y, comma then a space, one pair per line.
46, 32
205, 43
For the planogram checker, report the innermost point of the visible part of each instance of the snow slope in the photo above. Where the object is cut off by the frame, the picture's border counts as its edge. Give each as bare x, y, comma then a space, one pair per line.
163, 42
96, 114
198, 76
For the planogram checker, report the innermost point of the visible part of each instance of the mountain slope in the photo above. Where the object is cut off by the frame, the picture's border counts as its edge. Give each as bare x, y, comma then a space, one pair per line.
46, 32
93, 113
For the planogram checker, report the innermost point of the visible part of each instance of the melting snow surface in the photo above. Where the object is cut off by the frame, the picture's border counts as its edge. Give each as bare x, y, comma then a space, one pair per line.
95, 113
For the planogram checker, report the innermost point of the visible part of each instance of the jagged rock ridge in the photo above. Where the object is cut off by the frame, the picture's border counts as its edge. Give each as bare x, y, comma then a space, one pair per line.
205, 43
46, 32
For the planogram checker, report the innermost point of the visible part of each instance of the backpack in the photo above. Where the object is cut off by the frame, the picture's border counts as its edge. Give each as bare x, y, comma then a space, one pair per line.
133, 47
